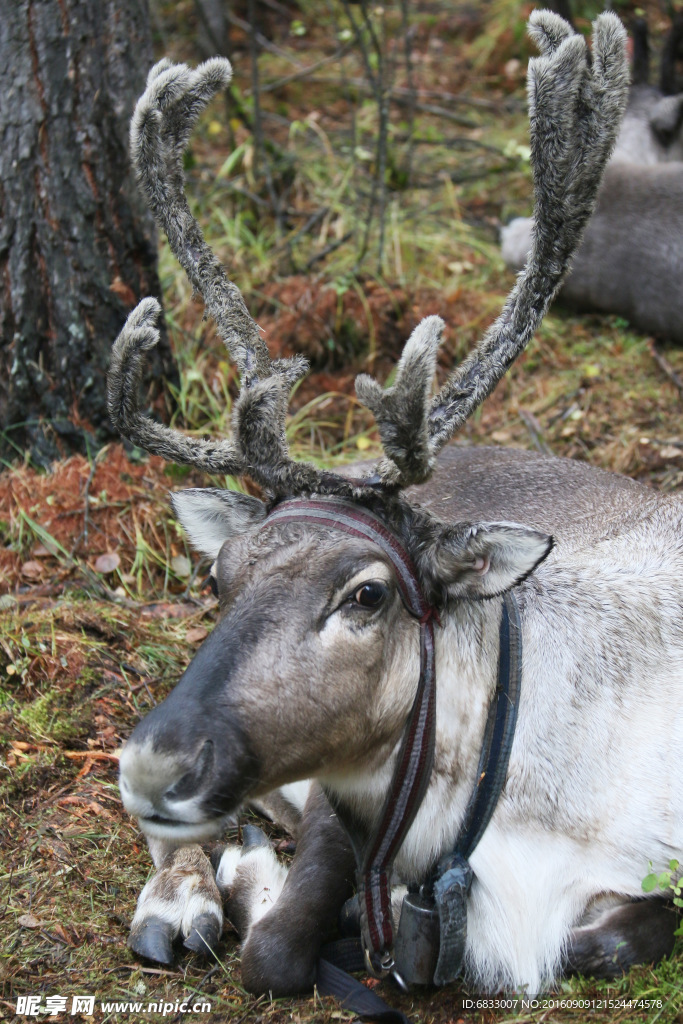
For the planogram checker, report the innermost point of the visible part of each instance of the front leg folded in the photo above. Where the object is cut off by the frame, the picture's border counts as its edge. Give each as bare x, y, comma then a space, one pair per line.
283, 917
182, 898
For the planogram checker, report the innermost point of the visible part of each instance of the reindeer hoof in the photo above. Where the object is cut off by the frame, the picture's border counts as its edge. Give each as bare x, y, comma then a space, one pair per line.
181, 899
250, 879
253, 837
153, 940
206, 931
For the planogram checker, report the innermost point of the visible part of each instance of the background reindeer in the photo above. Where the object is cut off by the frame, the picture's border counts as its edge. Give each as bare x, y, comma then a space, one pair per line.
311, 670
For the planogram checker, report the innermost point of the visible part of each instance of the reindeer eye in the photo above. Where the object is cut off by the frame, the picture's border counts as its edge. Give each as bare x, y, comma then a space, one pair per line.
370, 595
211, 582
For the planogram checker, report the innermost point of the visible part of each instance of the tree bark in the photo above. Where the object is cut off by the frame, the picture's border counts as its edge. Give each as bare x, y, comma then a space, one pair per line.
77, 246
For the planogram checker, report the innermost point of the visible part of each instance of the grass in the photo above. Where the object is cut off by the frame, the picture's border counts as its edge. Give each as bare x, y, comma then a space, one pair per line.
84, 652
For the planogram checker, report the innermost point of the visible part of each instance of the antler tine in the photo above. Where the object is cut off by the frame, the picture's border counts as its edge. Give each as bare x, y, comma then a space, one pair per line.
163, 121
574, 111
164, 118
123, 383
401, 411
575, 107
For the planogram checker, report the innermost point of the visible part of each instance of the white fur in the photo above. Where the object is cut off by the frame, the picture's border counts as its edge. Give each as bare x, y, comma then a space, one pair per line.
255, 877
192, 893
209, 516
595, 783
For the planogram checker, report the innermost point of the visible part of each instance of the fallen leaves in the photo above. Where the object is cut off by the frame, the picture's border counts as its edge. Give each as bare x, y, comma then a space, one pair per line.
29, 921
83, 804
107, 563
168, 610
32, 570
196, 634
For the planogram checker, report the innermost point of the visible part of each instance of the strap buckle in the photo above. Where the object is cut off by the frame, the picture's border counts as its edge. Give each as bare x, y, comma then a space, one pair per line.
379, 965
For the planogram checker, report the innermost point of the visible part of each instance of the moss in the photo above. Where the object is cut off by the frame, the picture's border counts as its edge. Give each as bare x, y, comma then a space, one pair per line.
46, 719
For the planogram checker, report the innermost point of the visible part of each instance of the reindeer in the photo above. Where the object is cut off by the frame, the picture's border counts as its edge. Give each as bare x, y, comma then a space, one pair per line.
631, 257
364, 619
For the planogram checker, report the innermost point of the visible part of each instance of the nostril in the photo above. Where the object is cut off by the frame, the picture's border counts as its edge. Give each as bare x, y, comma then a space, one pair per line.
189, 784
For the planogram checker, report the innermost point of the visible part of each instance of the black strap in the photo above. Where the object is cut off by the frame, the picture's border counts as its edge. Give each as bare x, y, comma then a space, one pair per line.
353, 996
452, 879
499, 733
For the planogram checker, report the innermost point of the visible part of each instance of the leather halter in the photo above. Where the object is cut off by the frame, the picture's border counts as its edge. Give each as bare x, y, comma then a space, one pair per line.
449, 883
416, 755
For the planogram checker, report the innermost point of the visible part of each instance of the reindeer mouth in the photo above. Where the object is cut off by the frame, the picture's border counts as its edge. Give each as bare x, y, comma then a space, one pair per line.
157, 827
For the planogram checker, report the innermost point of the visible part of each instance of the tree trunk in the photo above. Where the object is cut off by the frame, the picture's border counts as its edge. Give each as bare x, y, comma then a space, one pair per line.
77, 247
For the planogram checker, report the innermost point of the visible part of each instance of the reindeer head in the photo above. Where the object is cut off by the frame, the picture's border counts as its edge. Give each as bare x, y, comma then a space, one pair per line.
311, 668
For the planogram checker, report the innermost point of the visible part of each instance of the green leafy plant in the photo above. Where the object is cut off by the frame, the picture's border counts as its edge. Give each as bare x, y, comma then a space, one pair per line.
669, 880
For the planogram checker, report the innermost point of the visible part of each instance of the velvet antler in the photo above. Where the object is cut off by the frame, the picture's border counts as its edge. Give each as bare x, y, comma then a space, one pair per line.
160, 129
575, 108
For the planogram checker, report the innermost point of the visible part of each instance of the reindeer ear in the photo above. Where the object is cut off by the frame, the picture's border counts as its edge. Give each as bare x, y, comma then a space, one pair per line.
666, 117
481, 559
210, 516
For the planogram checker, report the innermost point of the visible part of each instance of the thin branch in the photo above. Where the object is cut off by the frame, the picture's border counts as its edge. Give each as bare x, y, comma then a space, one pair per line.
328, 249
664, 364
83, 535
535, 431
296, 76
260, 156
264, 43
411, 90
402, 99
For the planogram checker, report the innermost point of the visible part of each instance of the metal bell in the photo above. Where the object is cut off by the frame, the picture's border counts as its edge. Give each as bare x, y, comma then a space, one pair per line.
416, 948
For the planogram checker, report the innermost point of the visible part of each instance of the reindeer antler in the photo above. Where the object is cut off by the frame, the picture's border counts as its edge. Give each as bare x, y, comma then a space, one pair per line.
161, 126
575, 108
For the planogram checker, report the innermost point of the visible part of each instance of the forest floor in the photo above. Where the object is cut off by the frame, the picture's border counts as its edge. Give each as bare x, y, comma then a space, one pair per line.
102, 602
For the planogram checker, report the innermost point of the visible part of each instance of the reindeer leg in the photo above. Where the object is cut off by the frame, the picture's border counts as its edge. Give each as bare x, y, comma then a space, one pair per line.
622, 936
283, 916
182, 898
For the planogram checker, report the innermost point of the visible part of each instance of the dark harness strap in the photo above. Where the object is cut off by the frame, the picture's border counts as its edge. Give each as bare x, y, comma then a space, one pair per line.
452, 879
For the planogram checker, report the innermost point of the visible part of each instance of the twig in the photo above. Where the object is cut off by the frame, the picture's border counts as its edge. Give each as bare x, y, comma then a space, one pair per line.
449, 97
456, 142
288, 243
535, 431
312, 222
402, 98
83, 535
381, 94
411, 90
261, 39
328, 249
664, 364
186, 595
95, 755
432, 108
250, 1011
295, 76
260, 155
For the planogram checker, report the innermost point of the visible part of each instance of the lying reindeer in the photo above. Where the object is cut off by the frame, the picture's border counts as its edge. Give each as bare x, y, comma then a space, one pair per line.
631, 259
380, 631
651, 131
